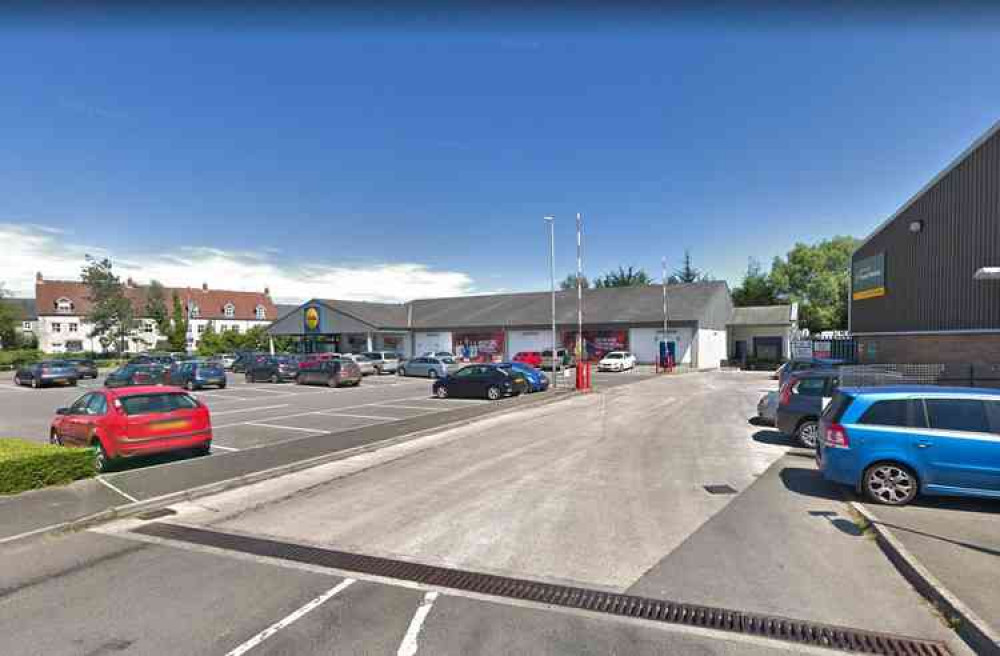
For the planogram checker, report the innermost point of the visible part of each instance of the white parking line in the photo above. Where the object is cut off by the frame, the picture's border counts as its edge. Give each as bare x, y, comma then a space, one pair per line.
312, 412
212, 395
406, 407
291, 428
115, 489
345, 414
409, 645
224, 448
280, 624
254, 409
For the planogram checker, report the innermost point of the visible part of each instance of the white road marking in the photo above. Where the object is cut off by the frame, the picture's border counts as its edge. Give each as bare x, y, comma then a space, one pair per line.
406, 407
272, 391
346, 414
409, 645
115, 489
13, 388
224, 448
291, 428
312, 412
280, 624
212, 395
263, 407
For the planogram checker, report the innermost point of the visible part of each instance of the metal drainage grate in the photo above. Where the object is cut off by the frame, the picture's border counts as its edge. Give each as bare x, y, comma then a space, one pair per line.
657, 610
156, 514
720, 489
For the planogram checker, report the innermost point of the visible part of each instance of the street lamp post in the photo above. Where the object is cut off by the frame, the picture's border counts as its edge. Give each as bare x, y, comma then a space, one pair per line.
663, 282
579, 291
551, 220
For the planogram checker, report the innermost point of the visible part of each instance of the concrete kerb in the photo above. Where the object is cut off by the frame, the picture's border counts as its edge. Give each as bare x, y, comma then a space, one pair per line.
969, 626
155, 503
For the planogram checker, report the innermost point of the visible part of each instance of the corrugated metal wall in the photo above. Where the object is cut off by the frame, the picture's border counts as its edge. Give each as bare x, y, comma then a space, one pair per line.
929, 283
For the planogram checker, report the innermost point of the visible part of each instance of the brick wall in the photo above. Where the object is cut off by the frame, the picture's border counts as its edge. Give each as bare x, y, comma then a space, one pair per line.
928, 349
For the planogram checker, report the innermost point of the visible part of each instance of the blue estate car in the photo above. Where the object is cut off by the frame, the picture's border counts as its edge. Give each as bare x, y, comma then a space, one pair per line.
537, 381
893, 443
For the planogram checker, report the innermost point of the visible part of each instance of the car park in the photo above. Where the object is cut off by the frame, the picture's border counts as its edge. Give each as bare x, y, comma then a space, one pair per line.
794, 366
134, 421
85, 367
617, 361
896, 442
481, 381
329, 372
243, 361
363, 363
800, 404
530, 358
197, 375
272, 368
428, 366
46, 372
135, 374
537, 381
563, 359
385, 362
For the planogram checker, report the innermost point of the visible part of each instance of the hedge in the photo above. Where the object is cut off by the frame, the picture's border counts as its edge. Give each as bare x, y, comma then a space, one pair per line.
17, 357
28, 465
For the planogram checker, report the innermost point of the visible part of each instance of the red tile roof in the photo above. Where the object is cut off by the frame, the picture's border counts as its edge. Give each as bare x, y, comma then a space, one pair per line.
210, 302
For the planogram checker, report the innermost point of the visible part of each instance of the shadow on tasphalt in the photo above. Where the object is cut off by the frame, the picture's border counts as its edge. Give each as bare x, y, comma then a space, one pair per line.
810, 483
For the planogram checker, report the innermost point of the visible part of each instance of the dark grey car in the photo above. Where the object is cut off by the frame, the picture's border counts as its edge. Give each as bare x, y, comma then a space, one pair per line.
800, 404
48, 372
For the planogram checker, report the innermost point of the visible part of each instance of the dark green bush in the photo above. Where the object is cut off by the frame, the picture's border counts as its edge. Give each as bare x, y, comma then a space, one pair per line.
28, 465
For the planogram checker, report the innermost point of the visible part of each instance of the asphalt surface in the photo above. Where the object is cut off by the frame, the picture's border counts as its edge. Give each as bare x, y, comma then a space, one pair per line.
605, 491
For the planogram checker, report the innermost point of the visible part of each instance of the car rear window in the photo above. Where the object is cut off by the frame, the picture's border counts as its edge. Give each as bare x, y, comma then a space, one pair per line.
957, 414
810, 387
895, 412
146, 404
835, 411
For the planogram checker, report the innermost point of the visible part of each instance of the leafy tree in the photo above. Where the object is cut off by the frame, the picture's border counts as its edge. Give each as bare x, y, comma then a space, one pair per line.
816, 278
569, 282
210, 342
111, 312
623, 278
177, 335
688, 273
756, 288
156, 307
10, 337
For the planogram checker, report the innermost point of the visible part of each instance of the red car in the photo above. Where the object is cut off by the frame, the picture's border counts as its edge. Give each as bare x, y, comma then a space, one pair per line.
131, 421
530, 358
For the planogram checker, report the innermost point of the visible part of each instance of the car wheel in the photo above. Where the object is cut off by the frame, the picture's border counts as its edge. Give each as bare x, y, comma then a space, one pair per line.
274, 378
332, 381
248, 377
441, 392
101, 461
54, 438
73, 382
807, 434
493, 393
222, 385
17, 381
890, 484
401, 371
34, 383
432, 374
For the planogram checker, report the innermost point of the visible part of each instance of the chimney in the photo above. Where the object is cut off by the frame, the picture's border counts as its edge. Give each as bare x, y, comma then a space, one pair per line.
204, 286
38, 278
130, 283
267, 291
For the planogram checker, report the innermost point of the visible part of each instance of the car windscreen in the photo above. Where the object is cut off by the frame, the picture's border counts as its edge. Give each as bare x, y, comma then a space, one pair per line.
613, 356
146, 404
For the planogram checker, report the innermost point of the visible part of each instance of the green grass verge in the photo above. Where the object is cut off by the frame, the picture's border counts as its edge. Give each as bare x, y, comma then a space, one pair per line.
28, 465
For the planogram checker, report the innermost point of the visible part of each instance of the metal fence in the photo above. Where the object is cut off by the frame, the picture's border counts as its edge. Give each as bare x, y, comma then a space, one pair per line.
976, 374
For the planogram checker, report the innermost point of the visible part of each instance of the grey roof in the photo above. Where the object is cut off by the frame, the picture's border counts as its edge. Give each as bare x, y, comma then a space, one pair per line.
685, 302
285, 308
377, 315
24, 308
761, 315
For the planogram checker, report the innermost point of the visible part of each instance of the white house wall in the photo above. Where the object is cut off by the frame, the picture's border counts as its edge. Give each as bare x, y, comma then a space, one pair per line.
644, 343
711, 348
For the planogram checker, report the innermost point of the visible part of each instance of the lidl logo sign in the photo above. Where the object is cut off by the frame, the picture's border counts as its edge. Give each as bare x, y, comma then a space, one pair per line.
312, 319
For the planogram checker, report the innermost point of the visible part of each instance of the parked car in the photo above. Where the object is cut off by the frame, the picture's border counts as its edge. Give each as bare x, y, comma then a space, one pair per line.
767, 408
272, 368
428, 366
895, 442
530, 358
364, 364
196, 375
136, 374
122, 423
244, 360
563, 357
537, 381
616, 361
800, 404
164, 359
333, 373
226, 360
85, 367
47, 372
385, 362
794, 366
481, 381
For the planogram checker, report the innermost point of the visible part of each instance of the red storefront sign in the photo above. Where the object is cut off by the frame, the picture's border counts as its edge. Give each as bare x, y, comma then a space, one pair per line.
597, 343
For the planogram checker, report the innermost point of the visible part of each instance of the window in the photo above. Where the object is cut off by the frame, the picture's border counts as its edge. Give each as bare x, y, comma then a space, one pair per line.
193, 311
73, 327
98, 405
229, 310
81, 404
148, 327
201, 328
57, 327
157, 403
810, 387
26, 325
957, 415
64, 305
261, 312
900, 412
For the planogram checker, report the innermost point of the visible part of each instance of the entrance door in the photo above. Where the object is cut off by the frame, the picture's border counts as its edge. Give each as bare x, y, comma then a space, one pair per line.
740, 350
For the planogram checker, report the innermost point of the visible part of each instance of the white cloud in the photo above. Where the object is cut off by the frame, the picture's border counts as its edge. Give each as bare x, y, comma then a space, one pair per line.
26, 249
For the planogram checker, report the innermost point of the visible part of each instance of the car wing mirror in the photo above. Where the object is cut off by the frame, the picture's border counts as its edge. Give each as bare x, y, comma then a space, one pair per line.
62, 411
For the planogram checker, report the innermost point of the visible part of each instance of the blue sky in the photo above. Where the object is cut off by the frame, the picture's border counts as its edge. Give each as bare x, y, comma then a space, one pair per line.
332, 151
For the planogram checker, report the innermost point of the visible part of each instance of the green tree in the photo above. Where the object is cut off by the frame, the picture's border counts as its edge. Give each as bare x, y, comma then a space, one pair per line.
210, 342
688, 273
111, 312
569, 282
156, 307
756, 288
177, 335
816, 278
624, 278
10, 337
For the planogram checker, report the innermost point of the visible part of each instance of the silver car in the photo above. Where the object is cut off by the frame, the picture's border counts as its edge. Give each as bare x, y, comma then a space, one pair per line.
385, 362
767, 408
364, 364
428, 366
